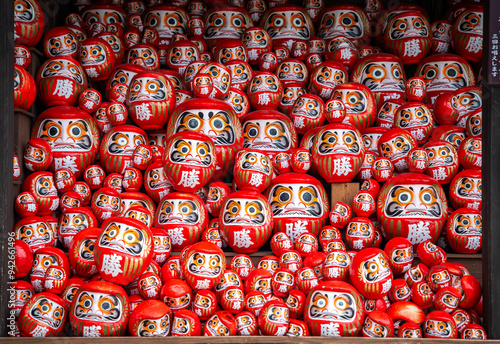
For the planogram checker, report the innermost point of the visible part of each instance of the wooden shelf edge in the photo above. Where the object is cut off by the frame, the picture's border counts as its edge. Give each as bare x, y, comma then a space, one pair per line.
236, 339
24, 112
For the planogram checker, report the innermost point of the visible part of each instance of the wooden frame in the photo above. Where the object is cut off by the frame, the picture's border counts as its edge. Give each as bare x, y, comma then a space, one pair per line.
491, 199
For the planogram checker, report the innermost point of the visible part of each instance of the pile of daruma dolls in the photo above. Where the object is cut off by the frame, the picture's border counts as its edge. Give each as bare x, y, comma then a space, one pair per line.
206, 128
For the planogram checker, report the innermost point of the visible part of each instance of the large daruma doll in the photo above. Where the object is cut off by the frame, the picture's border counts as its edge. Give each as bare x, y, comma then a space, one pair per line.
333, 309
203, 266
60, 80
383, 74
123, 250
299, 203
412, 206
150, 100
72, 135
184, 216
190, 160
218, 121
246, 221
338, 152
118, 146
99, 309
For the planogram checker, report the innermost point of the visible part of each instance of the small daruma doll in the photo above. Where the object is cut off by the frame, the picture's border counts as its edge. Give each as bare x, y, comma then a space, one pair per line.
466, 190
299, 203
246, 221
97, 58
265, 91
41, 185
37, 155
184, 216
99, 309
72, 135
203, 265
334, 308
252, 169
118, 145
123, 250
190, 160
274, 318
338, 151
359, 104
412, 206
150, 100
43, 315
396, 144
308, 112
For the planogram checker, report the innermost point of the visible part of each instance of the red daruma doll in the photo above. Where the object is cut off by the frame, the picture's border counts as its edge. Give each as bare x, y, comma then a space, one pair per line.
190, 160
246, 221
72, 135
412, 206
123, 250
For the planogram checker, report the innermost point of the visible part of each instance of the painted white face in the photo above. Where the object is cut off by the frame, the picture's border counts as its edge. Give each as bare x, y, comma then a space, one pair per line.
266, 135
99, 307
359, 229
371, 141
402, 255
472, 22
444, 76
288, 25
127, 203
331, 77
438, 328
216, 327
468, 224
396, 148
191, 152
156, 179
226, 24
375, 269
383, 76
262, 83
254, 161
335, 306
307, 107
64, 68
124, 143
44, 187
470, 188
167, 23
103, 16
148, 89
296, 200
409, 26
278, 315
154, 327
338, 259
204, 265
122, 76
181, 326
341, 23
244, 212
179, 211
62, 45
123, 238
72, 223
339, 141
66, 135
355, 101
216, 124
48, 312
37, 233
41, 262
413, 201
373, 329
466, 102
92, 54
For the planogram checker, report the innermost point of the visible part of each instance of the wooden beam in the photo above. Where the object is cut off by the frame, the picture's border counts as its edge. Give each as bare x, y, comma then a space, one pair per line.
6, 153
344, 192
491, 166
